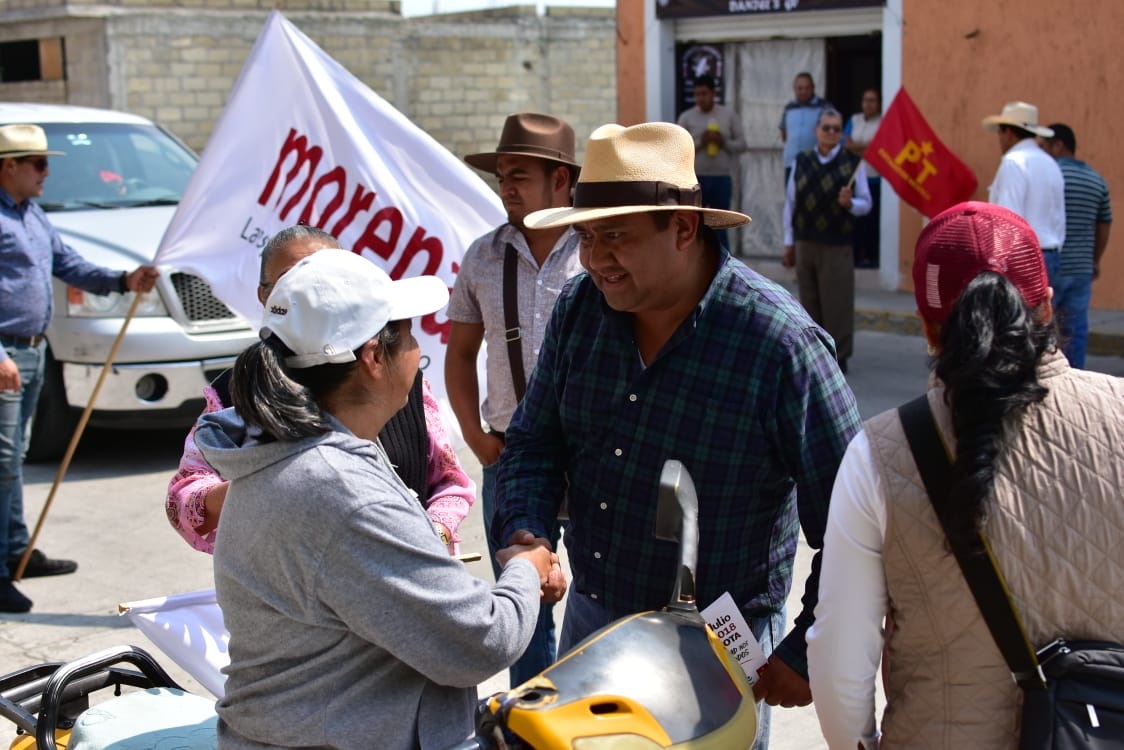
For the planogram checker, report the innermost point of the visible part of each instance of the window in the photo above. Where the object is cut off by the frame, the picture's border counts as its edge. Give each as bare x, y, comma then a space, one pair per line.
32, 60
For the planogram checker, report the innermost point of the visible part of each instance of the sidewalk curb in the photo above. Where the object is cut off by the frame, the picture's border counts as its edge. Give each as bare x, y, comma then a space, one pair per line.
1101, 343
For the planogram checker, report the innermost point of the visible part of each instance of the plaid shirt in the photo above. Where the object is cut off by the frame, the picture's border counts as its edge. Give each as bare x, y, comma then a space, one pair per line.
746, 394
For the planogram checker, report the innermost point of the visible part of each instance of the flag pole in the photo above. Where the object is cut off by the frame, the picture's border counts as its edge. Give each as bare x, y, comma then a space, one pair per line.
65, 464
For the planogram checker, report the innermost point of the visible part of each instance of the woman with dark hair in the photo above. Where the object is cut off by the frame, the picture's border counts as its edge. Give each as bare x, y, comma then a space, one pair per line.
414, 438
350, 625
1037, 466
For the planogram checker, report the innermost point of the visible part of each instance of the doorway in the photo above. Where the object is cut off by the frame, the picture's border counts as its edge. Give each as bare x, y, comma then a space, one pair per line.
854, 64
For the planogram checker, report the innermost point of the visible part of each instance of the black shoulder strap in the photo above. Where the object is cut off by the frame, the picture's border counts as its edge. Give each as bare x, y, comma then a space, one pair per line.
980, 570
511, 320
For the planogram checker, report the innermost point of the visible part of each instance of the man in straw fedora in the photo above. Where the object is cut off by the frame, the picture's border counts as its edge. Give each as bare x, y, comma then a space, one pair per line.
505, 290
1028, 181
669, 348
31, 252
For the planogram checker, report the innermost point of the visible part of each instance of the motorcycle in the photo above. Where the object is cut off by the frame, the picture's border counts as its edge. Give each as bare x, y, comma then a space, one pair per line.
653, 680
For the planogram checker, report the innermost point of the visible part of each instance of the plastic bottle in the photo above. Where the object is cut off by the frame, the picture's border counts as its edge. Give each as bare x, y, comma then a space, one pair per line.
712, 148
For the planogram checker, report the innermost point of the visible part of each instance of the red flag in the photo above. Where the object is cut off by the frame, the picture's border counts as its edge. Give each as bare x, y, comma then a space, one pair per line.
921, 169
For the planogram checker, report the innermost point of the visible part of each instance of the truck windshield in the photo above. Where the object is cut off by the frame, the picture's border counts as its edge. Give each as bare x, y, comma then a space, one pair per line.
114, 165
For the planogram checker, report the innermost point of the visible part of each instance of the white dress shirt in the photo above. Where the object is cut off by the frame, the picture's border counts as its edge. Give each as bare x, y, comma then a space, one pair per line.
845, 642
1030, 183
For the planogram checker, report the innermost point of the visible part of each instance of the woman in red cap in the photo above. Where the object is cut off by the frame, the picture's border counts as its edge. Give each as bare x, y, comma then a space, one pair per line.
1036, 468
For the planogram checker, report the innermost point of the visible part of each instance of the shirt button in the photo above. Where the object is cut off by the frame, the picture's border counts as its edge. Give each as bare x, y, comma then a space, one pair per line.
539, 282
604, 506
632, 397
597, 555
618, 452
593, 596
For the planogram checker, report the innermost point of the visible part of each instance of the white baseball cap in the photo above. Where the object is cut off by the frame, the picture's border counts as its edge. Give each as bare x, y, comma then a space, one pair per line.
332, 302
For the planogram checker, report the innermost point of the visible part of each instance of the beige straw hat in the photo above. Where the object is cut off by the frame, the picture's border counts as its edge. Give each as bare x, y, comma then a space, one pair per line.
24, 140
646, 167
1019, 115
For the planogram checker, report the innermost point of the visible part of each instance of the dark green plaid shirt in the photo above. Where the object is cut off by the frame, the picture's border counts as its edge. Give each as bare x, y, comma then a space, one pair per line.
747, 394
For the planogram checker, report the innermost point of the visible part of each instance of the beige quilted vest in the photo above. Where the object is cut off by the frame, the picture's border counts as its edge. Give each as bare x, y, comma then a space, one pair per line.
1057, 528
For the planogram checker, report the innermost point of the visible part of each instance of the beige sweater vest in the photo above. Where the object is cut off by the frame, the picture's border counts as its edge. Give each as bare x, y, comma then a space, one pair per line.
1057, 528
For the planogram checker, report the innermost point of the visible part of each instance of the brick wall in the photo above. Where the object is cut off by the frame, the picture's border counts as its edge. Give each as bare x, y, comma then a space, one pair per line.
456, 76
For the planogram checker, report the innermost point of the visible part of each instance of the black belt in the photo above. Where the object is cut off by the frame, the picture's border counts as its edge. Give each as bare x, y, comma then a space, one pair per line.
496, 433
22, 340
1049, 249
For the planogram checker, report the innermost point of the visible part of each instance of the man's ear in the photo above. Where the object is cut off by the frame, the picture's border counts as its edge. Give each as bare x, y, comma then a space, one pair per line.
688, 226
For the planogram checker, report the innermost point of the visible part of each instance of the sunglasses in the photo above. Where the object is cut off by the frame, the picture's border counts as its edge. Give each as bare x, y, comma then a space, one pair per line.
39, 162
831, 128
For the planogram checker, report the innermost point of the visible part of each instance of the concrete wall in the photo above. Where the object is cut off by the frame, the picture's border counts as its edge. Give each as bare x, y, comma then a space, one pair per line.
963, 59
456, 76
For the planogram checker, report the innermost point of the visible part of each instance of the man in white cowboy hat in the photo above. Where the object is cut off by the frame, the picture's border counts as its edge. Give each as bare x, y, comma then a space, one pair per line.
31, 251
504, 292
1028, 181
669, 348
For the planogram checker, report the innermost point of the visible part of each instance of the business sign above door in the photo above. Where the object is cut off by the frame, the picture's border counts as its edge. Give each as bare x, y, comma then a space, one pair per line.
689, 8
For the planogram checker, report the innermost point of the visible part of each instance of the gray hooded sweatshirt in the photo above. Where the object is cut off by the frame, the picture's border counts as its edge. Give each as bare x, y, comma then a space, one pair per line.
350, 625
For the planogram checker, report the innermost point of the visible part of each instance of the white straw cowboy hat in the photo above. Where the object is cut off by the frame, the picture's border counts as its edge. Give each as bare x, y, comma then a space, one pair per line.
1019, 115
530, 134
646, 167
24, 140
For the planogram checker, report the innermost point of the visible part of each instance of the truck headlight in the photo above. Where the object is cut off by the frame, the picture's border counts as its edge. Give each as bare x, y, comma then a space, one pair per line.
82, 304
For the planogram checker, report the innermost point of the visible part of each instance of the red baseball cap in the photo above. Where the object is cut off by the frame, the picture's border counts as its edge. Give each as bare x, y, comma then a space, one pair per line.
962, 242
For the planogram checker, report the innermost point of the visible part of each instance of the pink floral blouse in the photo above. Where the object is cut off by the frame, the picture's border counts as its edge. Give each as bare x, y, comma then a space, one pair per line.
451, 492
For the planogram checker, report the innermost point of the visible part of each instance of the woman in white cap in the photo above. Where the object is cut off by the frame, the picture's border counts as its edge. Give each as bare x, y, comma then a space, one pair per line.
350, 625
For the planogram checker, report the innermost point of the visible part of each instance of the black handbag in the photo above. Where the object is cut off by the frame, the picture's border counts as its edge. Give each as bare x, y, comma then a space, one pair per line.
1073, 691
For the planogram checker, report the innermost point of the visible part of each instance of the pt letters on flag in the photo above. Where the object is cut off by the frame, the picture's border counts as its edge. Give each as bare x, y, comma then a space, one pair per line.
922, 170
302, 140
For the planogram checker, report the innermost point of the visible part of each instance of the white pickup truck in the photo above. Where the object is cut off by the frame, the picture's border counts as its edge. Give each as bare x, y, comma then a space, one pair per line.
111, 198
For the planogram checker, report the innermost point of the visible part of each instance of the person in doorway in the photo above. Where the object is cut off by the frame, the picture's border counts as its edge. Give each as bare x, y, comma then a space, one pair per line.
1024, 429
31, 252
826, 191
504, 294
414, 438
857, 134
717, 131
1088, 219
798, 121
669, 348
350, 624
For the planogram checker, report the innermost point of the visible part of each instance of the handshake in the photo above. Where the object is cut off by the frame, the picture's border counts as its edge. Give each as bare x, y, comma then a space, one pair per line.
539, 553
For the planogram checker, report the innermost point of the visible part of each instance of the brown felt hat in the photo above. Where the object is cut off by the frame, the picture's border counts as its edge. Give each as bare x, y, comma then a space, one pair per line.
530, 134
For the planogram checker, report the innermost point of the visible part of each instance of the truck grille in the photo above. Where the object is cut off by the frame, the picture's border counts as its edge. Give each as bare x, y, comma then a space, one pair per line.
199, 304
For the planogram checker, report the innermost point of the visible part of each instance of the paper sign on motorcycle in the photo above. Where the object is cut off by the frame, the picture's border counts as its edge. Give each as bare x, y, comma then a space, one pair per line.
727, 622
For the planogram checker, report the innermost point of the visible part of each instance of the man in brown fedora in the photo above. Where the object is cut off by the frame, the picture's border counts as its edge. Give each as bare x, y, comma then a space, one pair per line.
669, 348
31, 252
504, 293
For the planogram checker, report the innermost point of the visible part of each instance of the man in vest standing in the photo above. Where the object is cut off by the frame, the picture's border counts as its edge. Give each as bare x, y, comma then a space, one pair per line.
504, 294
826, 190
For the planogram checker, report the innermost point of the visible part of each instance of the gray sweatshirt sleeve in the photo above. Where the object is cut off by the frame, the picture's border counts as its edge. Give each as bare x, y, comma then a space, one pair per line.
388, 577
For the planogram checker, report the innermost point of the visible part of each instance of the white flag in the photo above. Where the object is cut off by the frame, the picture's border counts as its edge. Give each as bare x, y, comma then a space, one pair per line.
303, 140
188, 628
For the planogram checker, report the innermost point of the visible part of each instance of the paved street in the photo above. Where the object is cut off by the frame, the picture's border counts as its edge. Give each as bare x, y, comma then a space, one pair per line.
109, 516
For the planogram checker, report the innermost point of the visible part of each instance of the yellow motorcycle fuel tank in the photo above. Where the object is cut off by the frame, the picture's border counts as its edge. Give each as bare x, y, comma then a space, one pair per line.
652, 680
